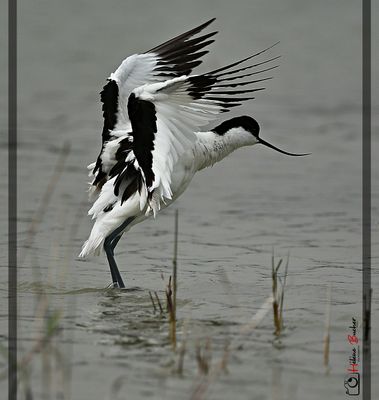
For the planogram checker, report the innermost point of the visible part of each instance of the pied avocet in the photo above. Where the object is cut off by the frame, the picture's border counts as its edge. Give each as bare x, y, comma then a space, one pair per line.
152, 143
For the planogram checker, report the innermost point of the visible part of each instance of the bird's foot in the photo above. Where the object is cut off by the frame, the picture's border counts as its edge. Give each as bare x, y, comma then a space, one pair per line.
116, 285
113, 285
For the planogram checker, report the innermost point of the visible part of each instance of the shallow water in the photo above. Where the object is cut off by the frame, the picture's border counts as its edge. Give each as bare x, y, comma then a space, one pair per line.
112, 344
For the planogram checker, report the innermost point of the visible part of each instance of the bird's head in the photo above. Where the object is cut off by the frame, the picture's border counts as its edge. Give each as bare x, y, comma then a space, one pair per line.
245, 131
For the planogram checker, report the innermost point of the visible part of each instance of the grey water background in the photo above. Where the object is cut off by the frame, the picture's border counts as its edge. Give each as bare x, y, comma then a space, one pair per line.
231, 217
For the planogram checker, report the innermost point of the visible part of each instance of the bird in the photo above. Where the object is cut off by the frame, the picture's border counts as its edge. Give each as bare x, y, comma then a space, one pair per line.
154, 109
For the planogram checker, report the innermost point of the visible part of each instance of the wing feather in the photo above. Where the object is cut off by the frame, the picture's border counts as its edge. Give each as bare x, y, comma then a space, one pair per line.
152, 107
165, 116
176, 57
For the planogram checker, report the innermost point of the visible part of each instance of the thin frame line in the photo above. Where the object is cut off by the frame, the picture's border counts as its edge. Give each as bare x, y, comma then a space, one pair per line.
366, 198
12, 199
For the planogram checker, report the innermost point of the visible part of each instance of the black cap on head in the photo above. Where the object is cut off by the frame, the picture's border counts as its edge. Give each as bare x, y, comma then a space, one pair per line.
245, 122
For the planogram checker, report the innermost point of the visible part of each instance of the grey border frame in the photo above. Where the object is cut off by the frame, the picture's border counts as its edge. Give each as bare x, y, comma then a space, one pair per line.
12, 199
366, 199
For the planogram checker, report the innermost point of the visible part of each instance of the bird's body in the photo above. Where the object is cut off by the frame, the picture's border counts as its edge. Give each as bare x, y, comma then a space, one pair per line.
153, 144
208, 149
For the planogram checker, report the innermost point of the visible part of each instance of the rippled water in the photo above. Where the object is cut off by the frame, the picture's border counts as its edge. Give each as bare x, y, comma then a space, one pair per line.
112, 344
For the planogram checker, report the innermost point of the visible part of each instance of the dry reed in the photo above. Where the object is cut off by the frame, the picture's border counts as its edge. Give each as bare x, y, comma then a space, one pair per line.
158, 302
327, 327
278, 288
152, 302
170, 291
171, 314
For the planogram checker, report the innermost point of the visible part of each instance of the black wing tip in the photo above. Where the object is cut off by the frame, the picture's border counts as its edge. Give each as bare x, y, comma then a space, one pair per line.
200, 27
184, 36
208, 22
181, 51
243, 60
233, 92
229, 71
243, 83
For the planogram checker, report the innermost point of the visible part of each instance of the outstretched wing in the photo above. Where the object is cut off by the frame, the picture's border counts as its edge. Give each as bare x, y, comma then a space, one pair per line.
171, 59
164, 117
174, 58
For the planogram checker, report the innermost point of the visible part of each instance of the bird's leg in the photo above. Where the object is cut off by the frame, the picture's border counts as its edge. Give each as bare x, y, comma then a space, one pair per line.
109, 246
115, 241
116, 277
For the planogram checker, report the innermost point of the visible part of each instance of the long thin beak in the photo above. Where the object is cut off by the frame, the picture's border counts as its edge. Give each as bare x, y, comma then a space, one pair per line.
261, 141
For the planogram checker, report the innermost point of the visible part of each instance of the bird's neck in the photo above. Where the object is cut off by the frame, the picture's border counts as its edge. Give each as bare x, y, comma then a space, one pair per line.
211, 147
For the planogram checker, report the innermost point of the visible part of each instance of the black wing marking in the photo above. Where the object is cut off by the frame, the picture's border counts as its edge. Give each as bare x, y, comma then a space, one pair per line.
178, 56
211, 86
130, 178
109, 98
143, 118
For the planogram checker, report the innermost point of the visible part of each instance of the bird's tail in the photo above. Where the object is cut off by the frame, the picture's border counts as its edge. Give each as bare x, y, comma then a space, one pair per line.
93, 246
106, 223
102, 227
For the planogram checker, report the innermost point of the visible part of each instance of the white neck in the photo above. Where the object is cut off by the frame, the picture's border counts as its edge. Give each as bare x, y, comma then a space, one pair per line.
211, 147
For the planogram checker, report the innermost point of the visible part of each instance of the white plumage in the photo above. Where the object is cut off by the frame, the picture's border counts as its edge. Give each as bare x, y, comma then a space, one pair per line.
152, 146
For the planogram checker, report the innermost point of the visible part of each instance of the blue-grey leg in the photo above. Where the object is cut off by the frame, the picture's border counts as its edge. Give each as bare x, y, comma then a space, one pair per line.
109, 246
115, 241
